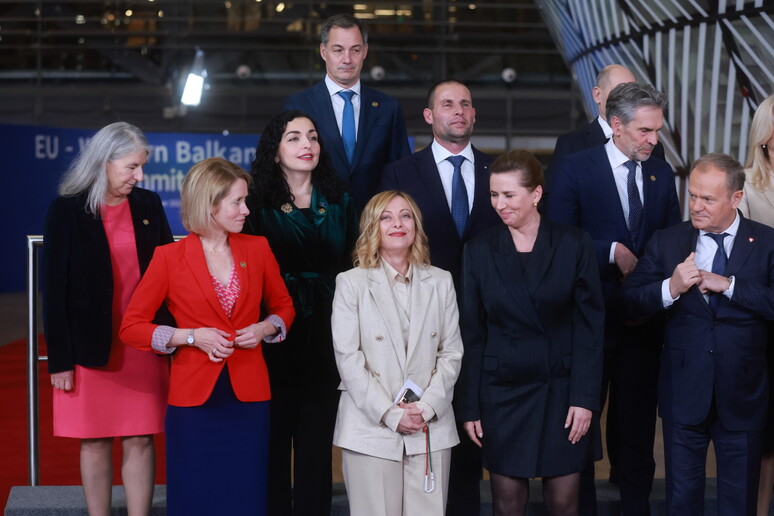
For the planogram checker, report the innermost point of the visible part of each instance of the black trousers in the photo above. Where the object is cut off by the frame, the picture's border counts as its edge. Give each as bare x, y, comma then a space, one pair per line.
630, 371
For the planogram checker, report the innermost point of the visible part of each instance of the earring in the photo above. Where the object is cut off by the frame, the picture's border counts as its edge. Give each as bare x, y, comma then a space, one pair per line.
764, 146
534, 204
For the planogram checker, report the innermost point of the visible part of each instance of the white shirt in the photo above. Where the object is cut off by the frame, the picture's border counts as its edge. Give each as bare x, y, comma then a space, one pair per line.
616, 158
605, 127
706, 248
446, 171
338, 103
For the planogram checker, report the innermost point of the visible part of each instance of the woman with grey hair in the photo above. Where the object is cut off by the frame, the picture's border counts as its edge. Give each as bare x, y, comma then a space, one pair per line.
100, 235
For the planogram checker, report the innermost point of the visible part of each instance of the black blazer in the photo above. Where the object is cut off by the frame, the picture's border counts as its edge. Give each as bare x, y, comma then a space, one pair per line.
708, 356
381, 136
417, 175
77, 276
518, 322
533, 341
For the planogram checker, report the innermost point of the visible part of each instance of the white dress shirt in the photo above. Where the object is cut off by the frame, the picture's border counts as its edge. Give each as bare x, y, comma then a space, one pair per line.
338, 102
706, 248
616, 158
446, 171
605, 127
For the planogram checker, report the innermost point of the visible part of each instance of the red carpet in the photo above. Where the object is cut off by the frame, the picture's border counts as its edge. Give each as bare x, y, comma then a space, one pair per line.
58, 455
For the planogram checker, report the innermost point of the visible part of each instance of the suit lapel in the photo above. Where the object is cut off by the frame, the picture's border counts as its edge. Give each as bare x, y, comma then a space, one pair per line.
365, 122
509, 267
743, 246
322, 111
422, 291
241, 264
685, 246
427, 170
194, 257
600, 166
594, 134
380, 292
540, 259
481, 192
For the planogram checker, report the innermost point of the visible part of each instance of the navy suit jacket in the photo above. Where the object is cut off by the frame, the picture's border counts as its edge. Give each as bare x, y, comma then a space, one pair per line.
417, 175
706, 354
381, 136
583, 194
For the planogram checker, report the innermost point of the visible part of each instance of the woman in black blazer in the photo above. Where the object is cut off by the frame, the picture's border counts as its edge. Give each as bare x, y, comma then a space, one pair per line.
532, 326
100, 235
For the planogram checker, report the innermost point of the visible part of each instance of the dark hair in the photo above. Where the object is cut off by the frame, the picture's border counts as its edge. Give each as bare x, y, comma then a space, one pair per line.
625, 98
270, 187
344, 21
434, 87
530, 168
725, 163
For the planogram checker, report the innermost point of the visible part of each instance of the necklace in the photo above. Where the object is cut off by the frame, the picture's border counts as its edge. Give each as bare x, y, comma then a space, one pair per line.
213, 251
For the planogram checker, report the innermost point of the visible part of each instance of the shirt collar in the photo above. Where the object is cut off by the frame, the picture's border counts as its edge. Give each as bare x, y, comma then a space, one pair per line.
394, 276
615, 156
334, 88
730, 230
605, 127
440, 153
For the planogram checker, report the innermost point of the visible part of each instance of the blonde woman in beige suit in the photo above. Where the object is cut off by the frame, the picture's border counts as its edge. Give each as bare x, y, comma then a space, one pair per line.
758, 204
395, 327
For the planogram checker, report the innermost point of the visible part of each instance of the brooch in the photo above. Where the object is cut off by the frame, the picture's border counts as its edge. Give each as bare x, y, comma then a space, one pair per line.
243, 265
374, 104
145, 221
323, 207
751, 239
286, 208
652, 178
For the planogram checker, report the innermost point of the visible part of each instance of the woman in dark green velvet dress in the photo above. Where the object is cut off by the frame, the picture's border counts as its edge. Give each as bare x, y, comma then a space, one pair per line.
301, 206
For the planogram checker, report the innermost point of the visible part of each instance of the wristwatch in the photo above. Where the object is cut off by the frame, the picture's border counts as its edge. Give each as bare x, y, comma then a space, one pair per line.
190, 339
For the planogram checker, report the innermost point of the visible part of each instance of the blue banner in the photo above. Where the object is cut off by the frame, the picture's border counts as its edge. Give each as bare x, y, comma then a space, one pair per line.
36, 157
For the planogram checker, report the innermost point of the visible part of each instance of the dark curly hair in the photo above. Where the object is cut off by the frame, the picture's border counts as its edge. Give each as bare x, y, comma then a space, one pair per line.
269, 186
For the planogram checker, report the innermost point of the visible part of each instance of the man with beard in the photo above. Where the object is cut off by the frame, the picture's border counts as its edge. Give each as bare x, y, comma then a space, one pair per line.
449, 180
620, 197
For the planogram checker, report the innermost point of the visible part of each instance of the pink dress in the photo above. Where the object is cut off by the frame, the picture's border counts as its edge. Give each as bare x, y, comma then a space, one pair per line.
128, 396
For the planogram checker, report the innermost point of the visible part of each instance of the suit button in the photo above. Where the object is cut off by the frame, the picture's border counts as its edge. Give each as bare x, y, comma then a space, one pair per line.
376, 373
379, 338
710, 352
433, 335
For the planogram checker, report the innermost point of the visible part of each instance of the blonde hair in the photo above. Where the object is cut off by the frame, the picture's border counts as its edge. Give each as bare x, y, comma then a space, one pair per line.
758, 159
203, 188
366, 254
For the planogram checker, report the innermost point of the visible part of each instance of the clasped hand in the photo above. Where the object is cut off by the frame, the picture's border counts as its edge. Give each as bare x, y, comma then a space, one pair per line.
687, 274
412, 420
217, 345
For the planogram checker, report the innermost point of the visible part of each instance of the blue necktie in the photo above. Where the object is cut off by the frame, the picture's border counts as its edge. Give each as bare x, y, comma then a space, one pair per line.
718, 263
635, 204
459, 200
348, 125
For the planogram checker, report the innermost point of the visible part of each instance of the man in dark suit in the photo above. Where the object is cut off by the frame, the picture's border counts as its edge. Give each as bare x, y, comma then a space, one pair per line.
455, 205
714, 277
620, 197
598, 131
363, 129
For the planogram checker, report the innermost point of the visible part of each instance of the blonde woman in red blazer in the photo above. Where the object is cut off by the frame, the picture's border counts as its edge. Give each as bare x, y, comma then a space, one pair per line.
226, 294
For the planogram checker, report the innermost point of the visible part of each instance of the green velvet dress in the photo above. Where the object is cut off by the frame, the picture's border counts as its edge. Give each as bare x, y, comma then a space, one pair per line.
312, 246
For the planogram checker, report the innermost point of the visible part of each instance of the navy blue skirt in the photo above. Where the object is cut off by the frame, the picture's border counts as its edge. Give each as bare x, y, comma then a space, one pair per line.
217, 455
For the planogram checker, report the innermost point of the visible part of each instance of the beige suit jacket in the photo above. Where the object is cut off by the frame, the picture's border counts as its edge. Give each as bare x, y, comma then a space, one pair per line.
374, 363
757, 205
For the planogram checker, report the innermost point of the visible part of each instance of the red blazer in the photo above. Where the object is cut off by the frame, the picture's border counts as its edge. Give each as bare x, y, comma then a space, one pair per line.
178, 274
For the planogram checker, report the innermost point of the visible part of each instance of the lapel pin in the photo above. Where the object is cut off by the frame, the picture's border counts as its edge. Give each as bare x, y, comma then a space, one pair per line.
286, 208
145, 221
243, 265
751, 239
374, 104
323, 206
652, 178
